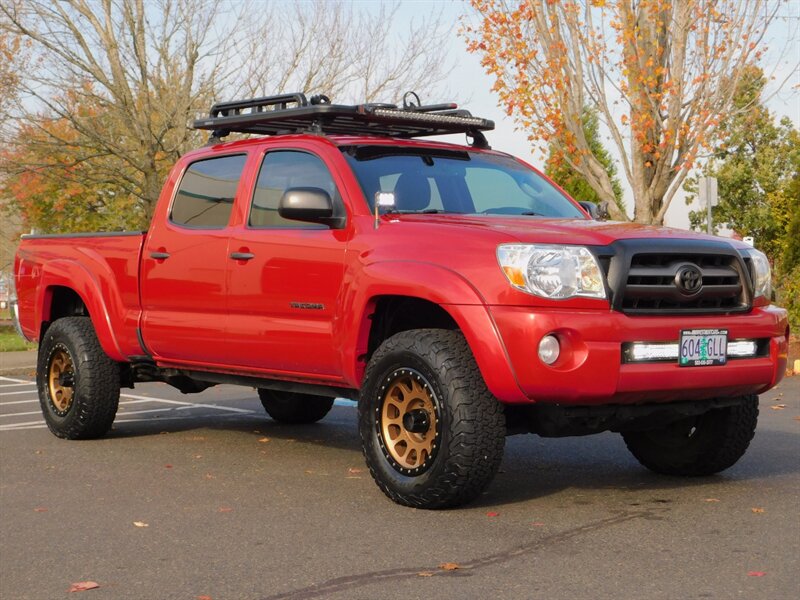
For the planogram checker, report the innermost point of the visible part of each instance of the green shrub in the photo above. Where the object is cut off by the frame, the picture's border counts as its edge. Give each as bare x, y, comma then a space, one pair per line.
788, 293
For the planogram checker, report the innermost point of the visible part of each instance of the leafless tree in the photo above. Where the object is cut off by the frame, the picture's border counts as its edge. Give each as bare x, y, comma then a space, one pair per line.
345, 53
118, 82
124, 75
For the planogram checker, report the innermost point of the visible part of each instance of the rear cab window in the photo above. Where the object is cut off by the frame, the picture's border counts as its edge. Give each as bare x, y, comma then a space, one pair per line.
205, 196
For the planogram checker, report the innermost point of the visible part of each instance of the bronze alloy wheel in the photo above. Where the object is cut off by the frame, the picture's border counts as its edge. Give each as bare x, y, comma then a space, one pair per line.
408, 421
61, 380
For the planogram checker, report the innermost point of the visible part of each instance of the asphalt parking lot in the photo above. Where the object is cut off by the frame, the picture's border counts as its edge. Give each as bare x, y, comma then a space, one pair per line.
202, 496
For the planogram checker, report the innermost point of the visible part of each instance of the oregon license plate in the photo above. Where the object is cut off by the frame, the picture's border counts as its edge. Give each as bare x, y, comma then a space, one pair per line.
703, 347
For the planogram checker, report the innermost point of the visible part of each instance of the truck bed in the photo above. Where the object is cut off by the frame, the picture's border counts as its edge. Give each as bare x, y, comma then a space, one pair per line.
102, 268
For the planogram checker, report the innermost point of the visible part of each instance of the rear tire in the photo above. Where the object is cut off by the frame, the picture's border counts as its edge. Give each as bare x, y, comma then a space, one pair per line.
78, 383
293, 408
700, 445
431, 432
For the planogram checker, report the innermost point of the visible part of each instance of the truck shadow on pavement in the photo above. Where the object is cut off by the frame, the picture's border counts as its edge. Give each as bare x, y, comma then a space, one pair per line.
532, 468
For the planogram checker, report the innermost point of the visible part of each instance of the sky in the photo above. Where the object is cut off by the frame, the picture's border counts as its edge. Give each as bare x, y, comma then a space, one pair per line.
470, 86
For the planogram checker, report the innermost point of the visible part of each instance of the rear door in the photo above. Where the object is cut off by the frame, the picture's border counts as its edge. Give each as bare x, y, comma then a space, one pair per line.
184, 262
283, 294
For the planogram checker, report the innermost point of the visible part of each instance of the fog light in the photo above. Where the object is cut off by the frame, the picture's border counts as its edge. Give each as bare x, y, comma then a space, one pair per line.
549, 349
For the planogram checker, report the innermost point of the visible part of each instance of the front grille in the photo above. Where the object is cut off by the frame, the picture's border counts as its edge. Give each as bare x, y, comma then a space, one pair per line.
651, 284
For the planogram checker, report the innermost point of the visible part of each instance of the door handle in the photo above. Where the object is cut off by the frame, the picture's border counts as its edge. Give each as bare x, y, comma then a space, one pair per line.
159, 255
242, 255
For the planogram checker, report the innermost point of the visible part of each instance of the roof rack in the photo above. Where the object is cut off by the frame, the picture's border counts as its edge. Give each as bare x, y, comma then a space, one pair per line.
294, 113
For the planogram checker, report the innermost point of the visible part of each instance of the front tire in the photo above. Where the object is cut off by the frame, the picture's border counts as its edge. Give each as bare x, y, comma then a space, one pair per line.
78, 383
431, 432
699, 445
293, 408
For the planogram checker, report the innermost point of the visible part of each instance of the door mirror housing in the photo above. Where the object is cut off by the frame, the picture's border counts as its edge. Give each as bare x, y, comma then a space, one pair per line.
591, 208
310, 204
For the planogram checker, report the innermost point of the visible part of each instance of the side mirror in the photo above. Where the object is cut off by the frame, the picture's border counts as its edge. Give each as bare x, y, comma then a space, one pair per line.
309, 204
591, 208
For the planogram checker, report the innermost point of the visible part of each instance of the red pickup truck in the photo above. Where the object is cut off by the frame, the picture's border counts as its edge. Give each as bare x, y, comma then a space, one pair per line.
454, 291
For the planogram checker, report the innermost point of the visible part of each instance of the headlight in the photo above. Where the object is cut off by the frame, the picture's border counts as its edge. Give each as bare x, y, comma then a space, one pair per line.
551, 271
761, 273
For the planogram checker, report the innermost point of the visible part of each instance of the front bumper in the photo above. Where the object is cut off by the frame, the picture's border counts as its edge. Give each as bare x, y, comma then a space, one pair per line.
590, 369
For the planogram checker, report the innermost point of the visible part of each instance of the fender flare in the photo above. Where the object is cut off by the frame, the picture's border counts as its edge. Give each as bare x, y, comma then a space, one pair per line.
434, 283
93, 289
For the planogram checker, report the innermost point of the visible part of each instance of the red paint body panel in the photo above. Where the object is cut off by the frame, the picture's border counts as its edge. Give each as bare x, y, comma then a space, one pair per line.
102, 270
300, 309
590, 369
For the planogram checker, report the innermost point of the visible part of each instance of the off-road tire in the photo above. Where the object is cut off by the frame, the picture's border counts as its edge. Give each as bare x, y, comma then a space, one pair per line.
95, 390
293, 408
469, 421
697, 446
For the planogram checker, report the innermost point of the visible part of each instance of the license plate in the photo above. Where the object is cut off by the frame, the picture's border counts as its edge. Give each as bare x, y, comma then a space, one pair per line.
703, 347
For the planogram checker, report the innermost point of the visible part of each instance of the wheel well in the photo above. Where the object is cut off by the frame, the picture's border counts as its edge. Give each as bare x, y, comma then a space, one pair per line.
394, 314
64, 302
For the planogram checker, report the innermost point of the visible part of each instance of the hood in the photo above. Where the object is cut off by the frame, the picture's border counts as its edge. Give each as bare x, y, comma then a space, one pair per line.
559, 231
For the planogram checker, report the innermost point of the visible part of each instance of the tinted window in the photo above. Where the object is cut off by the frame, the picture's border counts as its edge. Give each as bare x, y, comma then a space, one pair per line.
205, 196
279, 172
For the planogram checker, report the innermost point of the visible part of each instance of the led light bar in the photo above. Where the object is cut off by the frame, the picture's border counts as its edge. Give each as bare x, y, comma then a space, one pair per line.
742, 348
664, 351
429, 117
645, 352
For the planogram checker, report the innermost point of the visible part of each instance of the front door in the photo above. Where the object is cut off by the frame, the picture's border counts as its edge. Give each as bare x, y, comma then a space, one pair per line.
282, 293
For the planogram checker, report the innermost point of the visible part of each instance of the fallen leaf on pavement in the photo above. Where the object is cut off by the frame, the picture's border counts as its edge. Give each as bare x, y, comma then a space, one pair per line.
40, 509
492, 514
224, 509
712, 499
448, 566
756, 573
757, 510
264, 440
778, 406
140, 524
424, 574
167, 466
82, 586
204, 598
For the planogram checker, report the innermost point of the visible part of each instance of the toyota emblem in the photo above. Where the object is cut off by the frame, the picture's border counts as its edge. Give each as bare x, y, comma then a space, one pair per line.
689, 280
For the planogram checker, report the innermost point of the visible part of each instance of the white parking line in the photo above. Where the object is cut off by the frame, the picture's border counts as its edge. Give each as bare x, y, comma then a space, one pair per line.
123, 415
14, 380
36, 412
198, 405
15, 425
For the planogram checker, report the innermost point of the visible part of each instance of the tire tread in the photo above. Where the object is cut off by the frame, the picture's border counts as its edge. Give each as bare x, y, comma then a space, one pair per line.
97, 383
478, 426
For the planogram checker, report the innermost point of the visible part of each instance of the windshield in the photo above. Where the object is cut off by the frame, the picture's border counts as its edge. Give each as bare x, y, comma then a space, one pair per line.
429, 180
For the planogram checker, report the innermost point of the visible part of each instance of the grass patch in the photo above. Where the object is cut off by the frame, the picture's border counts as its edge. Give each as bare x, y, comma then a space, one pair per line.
11, 342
